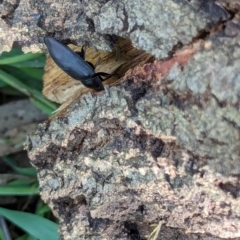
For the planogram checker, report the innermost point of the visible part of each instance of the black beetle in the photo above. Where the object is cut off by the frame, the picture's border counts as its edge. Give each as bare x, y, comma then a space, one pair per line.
74, 64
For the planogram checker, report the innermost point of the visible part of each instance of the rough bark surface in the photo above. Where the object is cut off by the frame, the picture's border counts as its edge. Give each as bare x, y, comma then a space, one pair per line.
146, 151
177, 22
163, 146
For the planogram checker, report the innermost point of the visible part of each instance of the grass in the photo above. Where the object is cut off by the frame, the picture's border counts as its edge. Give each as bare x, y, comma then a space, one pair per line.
21, 76
155, 233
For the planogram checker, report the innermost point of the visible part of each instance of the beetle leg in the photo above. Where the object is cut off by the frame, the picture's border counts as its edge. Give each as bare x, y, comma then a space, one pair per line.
99, 74
107, 75
82, 53
103, 74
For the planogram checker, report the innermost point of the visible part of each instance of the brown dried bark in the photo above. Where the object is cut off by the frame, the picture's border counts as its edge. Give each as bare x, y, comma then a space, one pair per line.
162, 145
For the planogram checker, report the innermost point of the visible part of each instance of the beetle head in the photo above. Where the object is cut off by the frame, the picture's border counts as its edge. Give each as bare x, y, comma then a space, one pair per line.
94, 83
97, 84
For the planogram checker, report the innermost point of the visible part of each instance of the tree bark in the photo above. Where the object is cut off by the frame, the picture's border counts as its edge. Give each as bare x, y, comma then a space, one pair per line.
162, 146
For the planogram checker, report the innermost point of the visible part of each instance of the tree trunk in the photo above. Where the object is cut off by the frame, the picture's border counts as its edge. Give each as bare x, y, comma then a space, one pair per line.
159, 151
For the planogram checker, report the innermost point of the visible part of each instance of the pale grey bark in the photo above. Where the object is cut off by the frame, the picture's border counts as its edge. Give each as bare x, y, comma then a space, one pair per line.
145, 151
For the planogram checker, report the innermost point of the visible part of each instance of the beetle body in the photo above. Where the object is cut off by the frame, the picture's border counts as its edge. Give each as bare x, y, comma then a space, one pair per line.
74, 65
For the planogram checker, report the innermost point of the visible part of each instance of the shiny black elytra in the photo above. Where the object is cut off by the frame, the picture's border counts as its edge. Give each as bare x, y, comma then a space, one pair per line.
74, 64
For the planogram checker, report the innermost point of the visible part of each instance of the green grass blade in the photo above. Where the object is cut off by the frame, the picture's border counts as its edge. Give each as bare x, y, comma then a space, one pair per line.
34, 63
38, 96
21, 182
23, 237
29, 171
2, 84
15, 83
31, 238
36, 226
20, 58
22, 75
26, 237
42, 106
10, 91
36, 73
2, 237
44, 209
18, 190
13, 52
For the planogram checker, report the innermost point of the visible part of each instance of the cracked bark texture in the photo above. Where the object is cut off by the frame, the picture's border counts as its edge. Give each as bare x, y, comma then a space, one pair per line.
177, 22
149, 150
163, 146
